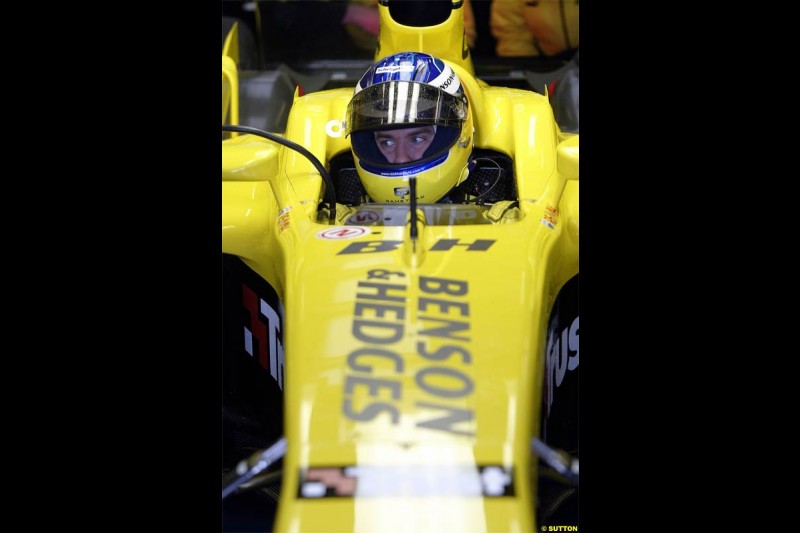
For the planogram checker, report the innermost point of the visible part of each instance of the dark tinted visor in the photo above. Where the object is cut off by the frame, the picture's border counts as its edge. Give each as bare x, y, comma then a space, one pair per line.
404, 102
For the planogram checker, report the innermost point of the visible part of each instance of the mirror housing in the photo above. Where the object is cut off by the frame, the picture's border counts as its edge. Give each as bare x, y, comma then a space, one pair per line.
249, 158
567, 157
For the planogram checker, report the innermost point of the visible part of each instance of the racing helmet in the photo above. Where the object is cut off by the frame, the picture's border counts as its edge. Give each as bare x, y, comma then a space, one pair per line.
410, 90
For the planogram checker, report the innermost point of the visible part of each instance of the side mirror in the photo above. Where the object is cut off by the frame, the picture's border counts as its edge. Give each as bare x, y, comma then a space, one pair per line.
248, 158
567, 158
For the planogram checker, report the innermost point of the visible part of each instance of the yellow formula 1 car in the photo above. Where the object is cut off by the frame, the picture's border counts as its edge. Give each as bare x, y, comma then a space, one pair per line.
392, 363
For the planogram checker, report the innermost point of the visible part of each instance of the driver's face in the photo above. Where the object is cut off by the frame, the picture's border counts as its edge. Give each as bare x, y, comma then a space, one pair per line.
404, 145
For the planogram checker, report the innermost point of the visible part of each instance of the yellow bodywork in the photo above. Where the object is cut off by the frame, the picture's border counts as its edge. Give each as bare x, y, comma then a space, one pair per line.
230, 77
447, 40
418, 363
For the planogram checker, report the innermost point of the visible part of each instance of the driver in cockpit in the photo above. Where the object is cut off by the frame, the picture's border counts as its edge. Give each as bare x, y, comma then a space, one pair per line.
409, 116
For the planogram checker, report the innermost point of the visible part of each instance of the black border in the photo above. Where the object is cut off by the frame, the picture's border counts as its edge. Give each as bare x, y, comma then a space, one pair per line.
649, 214
139, 280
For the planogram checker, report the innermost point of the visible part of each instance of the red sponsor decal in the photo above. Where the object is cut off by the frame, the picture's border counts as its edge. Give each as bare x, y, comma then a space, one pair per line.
342, 232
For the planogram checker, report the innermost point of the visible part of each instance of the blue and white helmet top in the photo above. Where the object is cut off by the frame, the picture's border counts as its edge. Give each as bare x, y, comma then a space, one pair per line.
412, 66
